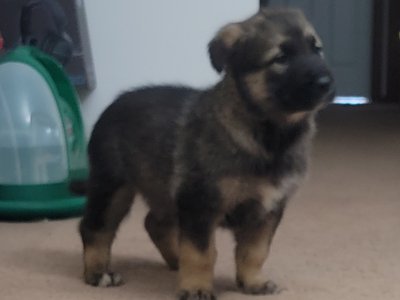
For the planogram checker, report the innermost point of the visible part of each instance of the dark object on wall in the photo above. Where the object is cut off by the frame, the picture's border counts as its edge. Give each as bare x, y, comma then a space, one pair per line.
43, 25
264, 3
67, 40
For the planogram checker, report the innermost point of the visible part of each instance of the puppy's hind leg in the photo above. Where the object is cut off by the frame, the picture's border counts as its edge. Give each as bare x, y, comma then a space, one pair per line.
164, 234
107, 205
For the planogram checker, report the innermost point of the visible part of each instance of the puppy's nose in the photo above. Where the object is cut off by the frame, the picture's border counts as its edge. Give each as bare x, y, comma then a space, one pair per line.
323, 82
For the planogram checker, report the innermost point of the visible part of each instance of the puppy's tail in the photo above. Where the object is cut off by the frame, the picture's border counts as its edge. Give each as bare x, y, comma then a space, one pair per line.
78, 187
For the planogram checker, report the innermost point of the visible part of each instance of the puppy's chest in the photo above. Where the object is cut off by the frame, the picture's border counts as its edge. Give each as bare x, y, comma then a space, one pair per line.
268, 178
285, 152
236, 190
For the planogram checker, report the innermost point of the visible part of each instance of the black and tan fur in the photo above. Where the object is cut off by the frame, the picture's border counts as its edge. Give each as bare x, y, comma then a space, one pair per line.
229, 155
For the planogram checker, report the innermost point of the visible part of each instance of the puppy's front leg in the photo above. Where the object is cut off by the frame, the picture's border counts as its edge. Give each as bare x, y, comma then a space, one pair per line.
254, 238
197, 252
196, 267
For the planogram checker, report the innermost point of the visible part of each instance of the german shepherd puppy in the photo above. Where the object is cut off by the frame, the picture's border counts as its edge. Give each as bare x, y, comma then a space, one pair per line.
228, 155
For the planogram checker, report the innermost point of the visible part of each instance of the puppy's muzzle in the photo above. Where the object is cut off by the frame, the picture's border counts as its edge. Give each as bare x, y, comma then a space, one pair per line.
311, 83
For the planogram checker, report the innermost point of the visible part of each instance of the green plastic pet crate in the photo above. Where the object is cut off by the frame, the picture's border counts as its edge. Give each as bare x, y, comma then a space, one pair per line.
42, 142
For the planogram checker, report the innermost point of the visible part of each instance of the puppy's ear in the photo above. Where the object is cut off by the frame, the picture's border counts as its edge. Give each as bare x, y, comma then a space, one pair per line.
220, 47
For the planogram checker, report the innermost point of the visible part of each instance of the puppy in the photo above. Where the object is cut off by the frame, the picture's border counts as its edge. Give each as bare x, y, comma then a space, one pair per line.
230, 155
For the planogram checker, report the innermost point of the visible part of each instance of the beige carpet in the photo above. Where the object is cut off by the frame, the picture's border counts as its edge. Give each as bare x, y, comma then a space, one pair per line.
340, 238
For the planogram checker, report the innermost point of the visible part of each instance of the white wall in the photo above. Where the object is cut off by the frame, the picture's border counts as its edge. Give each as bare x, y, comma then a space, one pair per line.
137, 42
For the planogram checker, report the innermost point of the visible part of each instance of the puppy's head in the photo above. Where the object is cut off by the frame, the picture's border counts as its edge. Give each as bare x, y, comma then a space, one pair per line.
276, 60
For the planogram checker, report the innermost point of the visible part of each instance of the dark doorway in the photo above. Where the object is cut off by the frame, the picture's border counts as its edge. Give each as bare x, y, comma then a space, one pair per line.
386, 51
264, 3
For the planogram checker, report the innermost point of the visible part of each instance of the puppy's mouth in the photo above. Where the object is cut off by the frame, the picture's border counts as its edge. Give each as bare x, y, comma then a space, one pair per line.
330, 96
322, 95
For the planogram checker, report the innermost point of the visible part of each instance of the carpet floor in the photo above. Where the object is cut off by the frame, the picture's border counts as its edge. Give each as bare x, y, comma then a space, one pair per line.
340, 237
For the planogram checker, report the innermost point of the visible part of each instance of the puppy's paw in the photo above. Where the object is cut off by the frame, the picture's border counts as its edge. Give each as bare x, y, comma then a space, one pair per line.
104, 279
264, 288
196, 295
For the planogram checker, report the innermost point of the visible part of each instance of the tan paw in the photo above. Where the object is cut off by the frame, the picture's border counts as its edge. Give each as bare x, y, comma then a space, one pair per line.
264, 288
196, 295
104, 279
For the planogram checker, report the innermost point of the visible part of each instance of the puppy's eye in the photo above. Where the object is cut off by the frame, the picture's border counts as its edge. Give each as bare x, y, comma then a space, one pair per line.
281, 59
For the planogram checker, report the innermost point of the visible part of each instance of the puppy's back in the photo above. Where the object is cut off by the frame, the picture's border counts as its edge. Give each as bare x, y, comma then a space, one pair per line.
136, 134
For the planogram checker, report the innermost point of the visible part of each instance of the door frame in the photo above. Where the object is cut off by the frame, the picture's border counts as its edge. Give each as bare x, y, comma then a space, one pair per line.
386, 51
